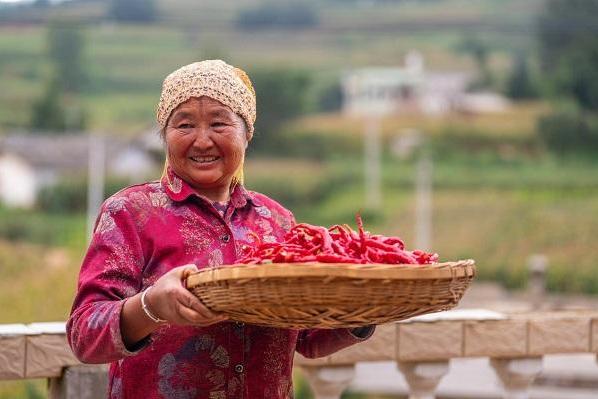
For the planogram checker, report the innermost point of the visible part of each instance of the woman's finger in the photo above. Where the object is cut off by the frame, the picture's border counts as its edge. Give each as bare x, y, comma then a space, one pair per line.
189, 300
189, 315
193, 317
183, 271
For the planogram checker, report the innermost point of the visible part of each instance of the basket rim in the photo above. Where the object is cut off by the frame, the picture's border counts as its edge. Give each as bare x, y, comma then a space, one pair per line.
378, 271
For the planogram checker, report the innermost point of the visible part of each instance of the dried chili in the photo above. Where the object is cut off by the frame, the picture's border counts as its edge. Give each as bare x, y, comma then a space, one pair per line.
337, 244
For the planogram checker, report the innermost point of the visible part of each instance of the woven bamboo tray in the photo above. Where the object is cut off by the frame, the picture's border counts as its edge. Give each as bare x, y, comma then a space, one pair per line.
327, 295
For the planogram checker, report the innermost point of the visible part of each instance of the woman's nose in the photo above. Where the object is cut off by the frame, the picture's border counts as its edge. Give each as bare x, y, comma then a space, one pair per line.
202, 138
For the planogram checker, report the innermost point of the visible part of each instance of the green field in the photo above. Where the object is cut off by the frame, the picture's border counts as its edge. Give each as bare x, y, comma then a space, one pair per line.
498, 212
126, 64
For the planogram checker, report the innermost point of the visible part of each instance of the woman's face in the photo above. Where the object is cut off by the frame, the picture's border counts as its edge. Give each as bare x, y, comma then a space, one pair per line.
206, 143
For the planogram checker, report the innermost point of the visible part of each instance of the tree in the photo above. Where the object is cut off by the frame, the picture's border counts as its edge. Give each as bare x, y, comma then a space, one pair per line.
568, 44
569, 132
65, 49
48, 111
479, 51
281, 95
58, 107
139, 11
519, 85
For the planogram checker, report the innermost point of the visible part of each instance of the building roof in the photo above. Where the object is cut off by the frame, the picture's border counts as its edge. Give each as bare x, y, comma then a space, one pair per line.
64, 152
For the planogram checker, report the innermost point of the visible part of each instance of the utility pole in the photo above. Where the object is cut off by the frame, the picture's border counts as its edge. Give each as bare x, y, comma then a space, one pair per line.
423, 204
373, 175
412, 142
95, 179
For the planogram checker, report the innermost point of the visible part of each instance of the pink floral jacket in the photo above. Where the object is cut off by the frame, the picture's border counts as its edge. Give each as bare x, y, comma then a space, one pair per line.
146, 230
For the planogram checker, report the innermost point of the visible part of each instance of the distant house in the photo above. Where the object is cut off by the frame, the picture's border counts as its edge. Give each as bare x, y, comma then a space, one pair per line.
17, 182
30, 162
412, 89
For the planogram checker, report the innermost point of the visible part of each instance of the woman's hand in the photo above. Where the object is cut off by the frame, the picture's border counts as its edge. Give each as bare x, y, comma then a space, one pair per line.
170, 300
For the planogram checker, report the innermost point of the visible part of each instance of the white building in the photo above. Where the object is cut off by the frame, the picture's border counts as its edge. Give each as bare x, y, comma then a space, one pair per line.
17, 182
412, 89
30, 162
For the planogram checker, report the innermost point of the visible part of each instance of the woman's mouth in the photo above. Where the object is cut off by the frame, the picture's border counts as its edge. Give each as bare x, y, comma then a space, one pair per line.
204, 159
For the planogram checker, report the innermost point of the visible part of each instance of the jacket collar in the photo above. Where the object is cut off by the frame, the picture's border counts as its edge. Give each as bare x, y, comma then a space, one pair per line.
179, 190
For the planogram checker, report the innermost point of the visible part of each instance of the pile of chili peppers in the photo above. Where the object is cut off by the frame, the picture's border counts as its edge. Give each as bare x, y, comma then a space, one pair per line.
337, 244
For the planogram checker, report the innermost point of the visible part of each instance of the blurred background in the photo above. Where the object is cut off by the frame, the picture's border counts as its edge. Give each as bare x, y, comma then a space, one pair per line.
469, 128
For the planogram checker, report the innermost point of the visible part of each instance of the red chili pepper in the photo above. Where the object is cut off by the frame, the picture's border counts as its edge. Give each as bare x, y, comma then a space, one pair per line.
337, 244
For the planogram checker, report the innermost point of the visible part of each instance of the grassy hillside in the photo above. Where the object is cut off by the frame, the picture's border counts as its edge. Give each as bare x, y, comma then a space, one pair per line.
126, 63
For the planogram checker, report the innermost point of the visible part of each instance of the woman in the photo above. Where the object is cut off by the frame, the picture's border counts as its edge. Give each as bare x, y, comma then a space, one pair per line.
131, 308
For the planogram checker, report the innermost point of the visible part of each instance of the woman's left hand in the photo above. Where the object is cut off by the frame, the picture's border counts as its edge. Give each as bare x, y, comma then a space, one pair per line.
168, 299
171, 301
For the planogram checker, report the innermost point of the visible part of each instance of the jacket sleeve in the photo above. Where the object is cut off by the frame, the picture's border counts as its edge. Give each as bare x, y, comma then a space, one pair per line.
316, 343
110, 273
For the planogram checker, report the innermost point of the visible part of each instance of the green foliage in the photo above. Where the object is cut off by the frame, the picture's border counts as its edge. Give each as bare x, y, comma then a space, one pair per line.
21, 389
576, 74
58, 108
316, 145
568, 42
278, 15
40, 228
48, 112
33, 392
70, 195
301, 388
136, 11
281, 95
570, 132
480, 52
330, 97
66, 43
56, 112
520, 85
563, 25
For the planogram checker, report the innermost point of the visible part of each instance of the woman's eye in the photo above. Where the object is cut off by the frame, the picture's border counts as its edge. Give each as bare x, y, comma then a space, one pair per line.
185, 126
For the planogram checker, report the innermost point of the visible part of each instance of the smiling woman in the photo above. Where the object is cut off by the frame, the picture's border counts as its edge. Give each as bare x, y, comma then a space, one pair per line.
132, 309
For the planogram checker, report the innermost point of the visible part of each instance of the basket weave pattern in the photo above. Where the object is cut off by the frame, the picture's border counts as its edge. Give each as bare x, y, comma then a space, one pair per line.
330, 295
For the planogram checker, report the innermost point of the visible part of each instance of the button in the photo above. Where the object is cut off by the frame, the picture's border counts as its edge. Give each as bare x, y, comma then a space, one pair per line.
225, 238
239, 324
239, 368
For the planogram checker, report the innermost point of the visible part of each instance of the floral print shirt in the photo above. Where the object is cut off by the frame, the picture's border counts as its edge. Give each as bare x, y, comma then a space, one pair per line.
146, 230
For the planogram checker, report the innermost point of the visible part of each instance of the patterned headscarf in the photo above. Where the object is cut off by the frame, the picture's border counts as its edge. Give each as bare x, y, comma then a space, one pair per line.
215, 79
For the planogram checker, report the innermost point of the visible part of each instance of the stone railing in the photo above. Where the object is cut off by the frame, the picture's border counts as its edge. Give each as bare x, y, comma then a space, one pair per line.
421, 347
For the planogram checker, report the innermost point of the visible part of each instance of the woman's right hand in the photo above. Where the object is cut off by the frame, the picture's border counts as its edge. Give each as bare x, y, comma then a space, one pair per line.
168, 299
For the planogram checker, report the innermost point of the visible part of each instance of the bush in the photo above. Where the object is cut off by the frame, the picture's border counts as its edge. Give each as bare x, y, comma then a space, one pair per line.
317, 145
40, 228
70, 196
520, 85
330, 98
569, 133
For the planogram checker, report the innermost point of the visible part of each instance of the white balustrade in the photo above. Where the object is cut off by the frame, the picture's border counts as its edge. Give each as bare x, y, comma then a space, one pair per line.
422, 349
517, 375
423, 377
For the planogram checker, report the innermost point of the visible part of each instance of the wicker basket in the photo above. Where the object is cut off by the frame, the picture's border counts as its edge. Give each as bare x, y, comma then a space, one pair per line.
325, 295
